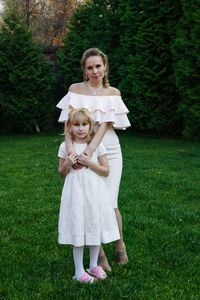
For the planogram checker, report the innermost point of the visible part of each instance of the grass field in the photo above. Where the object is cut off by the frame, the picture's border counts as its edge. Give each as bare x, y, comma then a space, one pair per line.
160, 204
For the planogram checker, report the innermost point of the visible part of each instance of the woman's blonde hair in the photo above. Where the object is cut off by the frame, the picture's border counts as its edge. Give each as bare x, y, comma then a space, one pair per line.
96, 52
77, 115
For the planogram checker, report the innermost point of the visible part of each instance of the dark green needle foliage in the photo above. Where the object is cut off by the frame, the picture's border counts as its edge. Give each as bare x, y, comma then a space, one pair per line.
153, 51
186, 51
25, 81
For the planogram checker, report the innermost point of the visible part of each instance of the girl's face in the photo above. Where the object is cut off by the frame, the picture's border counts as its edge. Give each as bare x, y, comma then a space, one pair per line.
80, 130
94, 69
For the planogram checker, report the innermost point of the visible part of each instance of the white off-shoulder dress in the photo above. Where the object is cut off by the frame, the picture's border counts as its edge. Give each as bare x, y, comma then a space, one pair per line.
86, 216
104, 109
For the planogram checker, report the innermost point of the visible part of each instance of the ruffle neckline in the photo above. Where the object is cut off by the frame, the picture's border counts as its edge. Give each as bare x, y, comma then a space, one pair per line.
103, 108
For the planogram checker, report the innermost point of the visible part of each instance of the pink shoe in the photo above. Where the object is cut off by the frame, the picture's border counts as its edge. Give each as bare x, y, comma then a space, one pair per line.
97, 272
85, 278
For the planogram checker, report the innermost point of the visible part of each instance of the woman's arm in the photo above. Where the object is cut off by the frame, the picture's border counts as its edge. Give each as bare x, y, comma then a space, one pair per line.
65, 164
68, 140
97, 138
101, 169
69, 147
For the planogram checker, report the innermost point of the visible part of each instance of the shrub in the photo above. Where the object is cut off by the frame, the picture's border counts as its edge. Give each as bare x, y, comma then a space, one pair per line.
187, 67
25, 82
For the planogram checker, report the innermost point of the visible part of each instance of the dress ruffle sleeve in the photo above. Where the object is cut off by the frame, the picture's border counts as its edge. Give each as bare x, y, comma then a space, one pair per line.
103, 108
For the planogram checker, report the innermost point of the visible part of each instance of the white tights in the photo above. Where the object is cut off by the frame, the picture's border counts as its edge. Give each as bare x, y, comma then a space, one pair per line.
78, 259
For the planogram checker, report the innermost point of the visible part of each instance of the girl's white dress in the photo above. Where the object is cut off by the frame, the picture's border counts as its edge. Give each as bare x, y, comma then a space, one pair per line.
86, 216
104, 109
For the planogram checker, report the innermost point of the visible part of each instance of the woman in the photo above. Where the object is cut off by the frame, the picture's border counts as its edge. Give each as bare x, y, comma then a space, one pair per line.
109, 113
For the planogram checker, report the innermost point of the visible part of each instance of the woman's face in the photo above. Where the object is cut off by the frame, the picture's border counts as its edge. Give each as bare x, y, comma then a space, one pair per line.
94, 69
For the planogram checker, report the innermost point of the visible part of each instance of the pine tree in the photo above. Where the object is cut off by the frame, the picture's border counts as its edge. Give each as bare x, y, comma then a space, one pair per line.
146, 55
93, 24
129, 12
25, 82
154, 94
186, 50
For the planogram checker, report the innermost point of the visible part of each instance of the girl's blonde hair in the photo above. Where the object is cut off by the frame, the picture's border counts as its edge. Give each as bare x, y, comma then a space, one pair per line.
96, 52
77, 115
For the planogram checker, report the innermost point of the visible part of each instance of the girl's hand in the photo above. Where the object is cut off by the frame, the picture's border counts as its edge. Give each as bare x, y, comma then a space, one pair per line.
70, 154
71, 160
84, 159
77, 166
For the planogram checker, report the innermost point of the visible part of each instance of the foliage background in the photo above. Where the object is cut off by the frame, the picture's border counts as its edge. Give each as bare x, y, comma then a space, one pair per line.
153, 54
153, 50
26, 82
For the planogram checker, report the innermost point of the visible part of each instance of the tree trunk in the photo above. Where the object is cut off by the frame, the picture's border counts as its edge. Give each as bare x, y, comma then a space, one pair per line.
27, 12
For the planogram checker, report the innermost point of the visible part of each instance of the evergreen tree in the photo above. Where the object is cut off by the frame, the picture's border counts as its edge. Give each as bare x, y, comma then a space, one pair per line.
154, 94
129, 12
153, 58
25, 82
187, 67
93, 24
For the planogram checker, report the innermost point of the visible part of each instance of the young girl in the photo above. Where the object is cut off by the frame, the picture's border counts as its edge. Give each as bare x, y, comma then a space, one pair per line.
86, 215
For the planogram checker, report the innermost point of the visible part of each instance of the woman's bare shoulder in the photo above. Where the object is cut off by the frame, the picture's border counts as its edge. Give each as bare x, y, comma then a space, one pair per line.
114, 91
76, 87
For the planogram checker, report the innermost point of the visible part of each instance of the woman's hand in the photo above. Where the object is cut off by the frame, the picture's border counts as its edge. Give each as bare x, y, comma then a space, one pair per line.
66, 163
70, 160
70, 151
84, 159
89, 151
77, 166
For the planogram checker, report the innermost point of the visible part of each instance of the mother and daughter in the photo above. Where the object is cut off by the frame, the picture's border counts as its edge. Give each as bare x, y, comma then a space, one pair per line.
91, 160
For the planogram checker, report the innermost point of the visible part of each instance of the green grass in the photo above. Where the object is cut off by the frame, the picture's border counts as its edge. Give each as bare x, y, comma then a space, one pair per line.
159, 202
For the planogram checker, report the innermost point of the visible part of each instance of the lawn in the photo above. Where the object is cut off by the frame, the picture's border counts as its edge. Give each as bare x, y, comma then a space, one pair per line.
159, 201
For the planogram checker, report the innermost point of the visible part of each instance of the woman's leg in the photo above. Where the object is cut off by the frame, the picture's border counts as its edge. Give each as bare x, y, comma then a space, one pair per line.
114, 156
122, 256
102, 260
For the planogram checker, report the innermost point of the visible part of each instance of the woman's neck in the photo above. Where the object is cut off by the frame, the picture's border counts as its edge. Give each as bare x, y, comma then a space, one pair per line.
94, 87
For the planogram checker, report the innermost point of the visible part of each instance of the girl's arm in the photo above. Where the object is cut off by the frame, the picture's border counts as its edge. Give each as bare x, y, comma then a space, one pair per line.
65, 164
97, 138
100, 168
